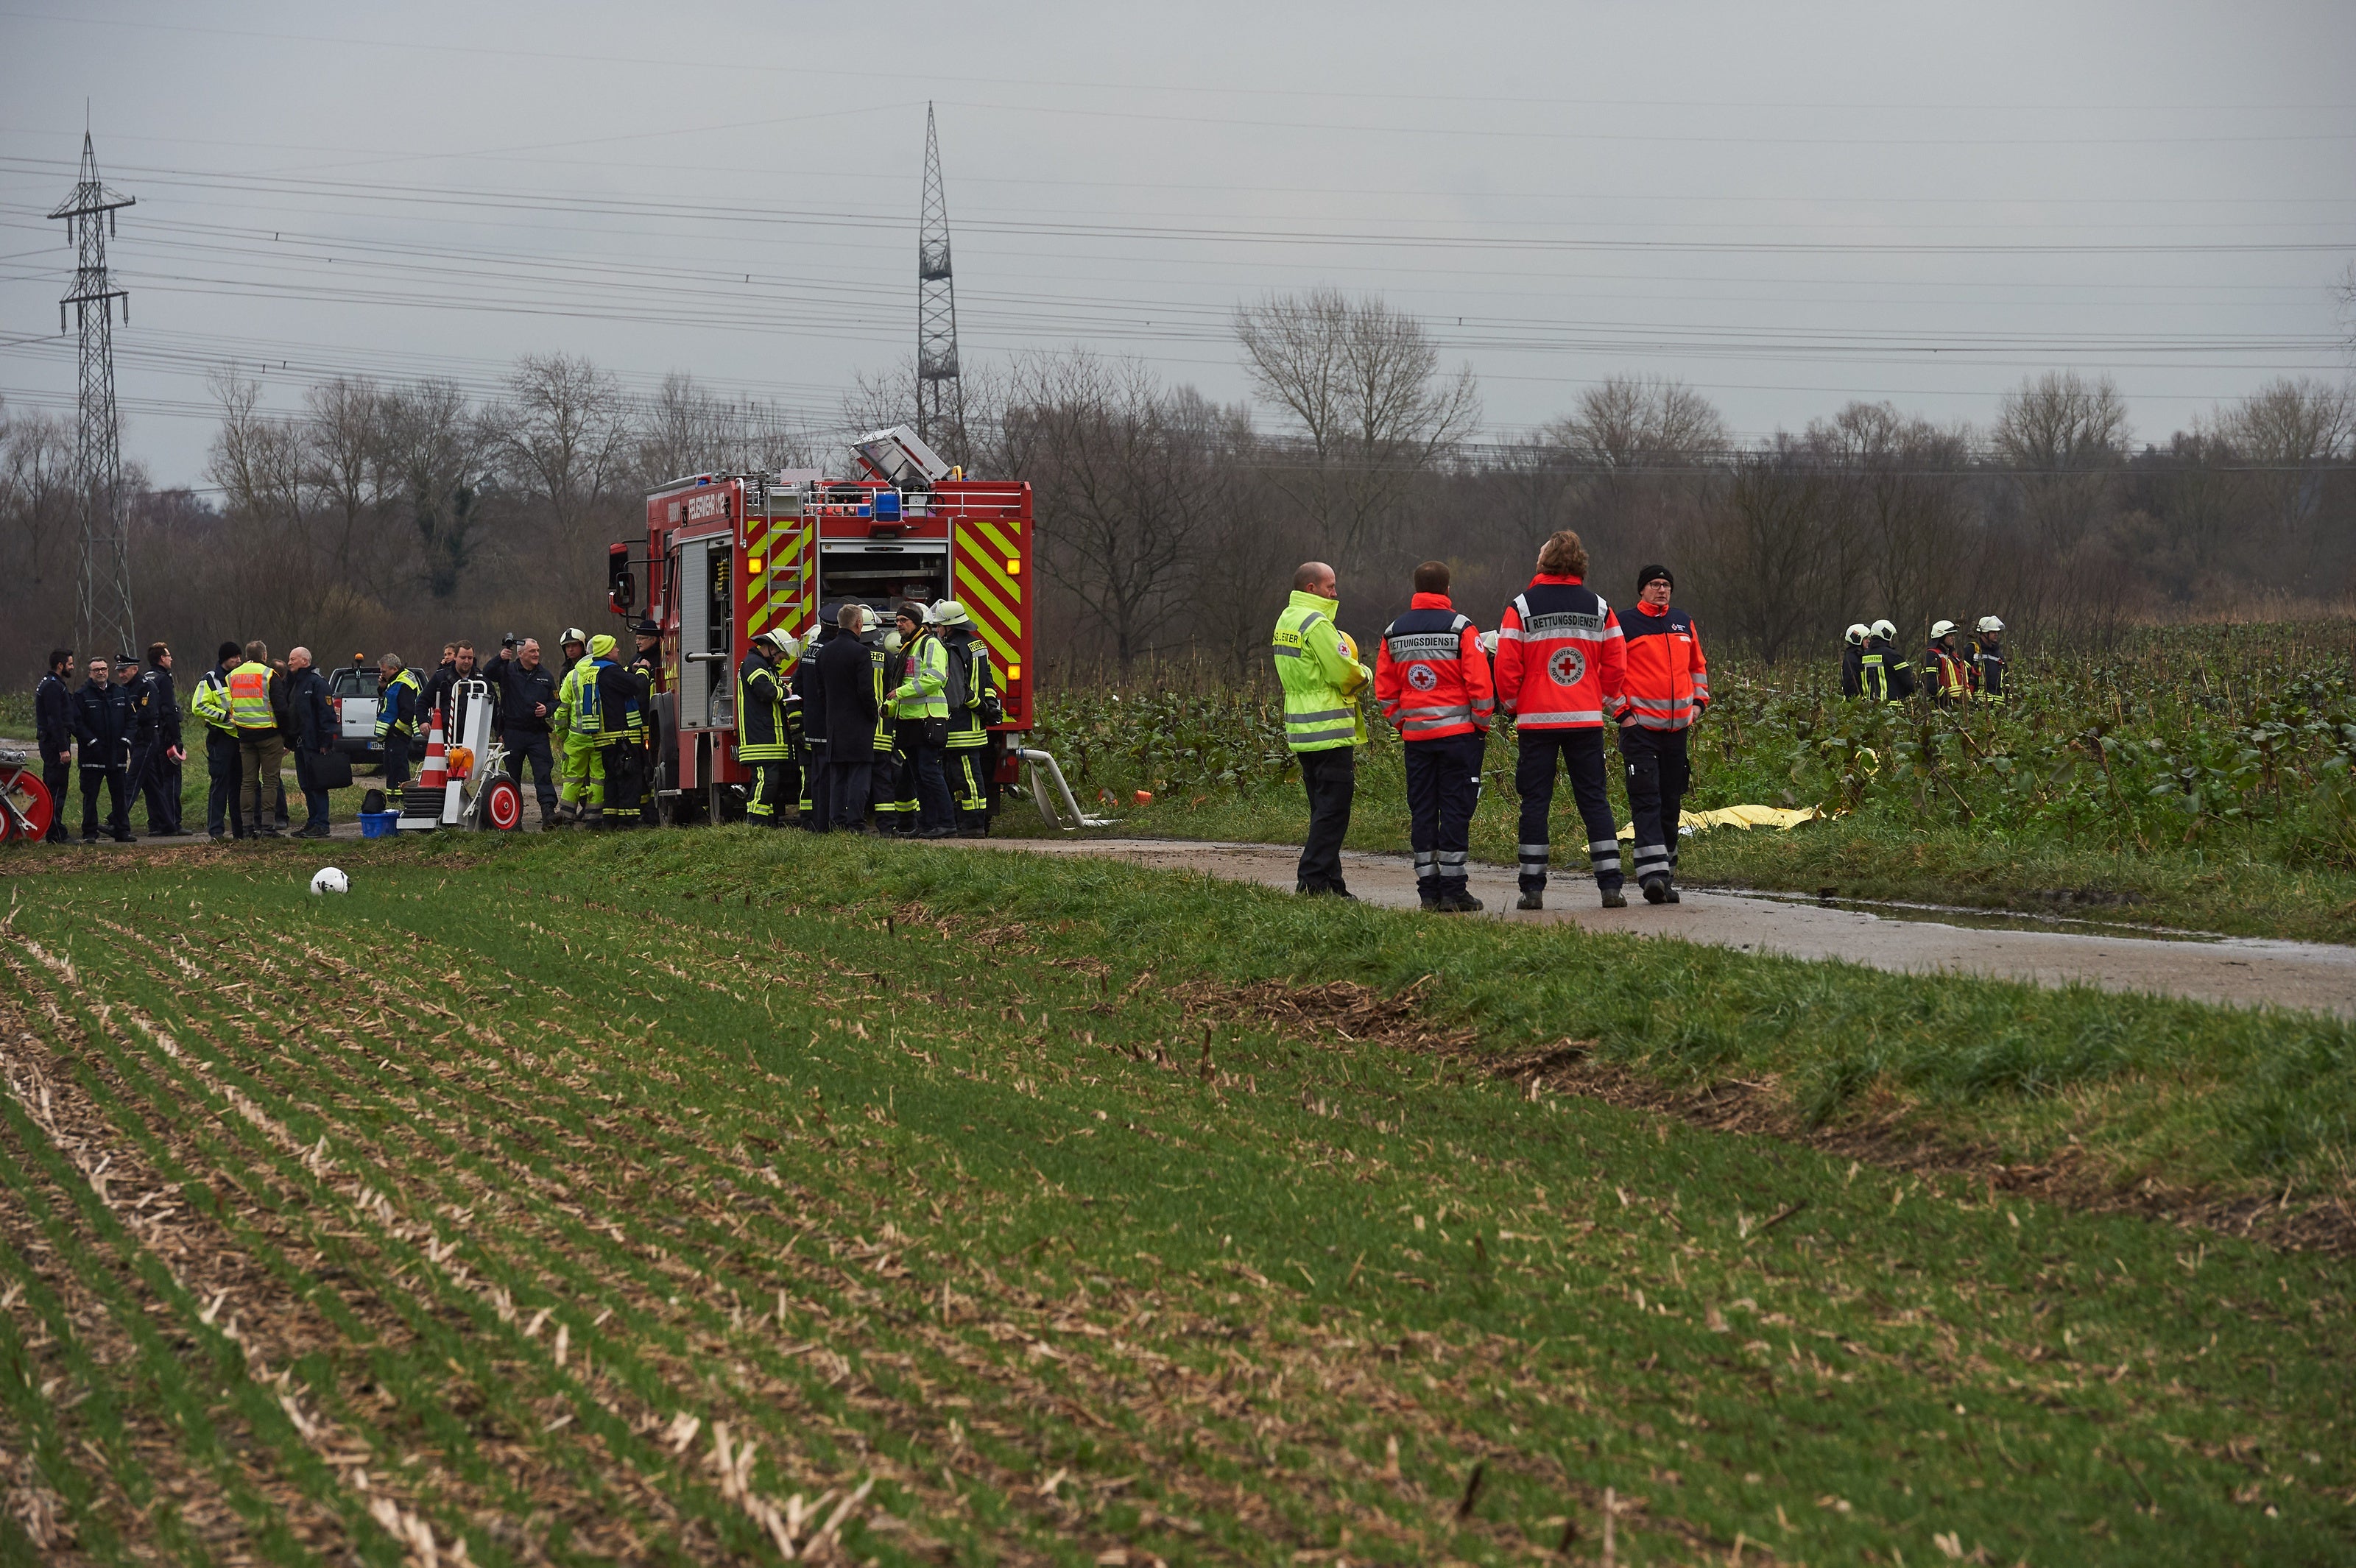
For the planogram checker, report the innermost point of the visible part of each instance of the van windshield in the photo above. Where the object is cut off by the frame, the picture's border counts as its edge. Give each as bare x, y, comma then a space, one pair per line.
353, 683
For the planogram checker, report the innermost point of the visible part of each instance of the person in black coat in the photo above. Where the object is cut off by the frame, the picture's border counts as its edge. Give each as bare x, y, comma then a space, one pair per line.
156, 755
526, 690
53, 704
846, 681
103, 724
314, 729
818, 799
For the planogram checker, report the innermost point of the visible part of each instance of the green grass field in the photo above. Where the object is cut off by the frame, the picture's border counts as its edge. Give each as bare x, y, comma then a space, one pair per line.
715, 1195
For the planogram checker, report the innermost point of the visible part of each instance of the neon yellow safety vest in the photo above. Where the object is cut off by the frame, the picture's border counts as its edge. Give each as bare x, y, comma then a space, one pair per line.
211, 703
1320, 678
925, 690
248, 697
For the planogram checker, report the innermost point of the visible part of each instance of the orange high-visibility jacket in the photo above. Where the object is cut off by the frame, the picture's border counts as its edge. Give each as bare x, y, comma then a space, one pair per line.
1561, 657
1431, 674
1668, 680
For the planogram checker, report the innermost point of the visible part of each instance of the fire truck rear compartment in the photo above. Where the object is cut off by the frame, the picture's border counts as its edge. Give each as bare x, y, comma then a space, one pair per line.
883, 576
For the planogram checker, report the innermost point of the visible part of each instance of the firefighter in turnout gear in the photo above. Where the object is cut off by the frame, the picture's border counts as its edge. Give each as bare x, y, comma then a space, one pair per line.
1431, 677
1666, 690
762, 744
1561, 663
582, 795
922, 709
1853, 658
883, 779
973, 708
1945, 667
908, 622
1881, 674
1987, 660
1322, 678
622, 703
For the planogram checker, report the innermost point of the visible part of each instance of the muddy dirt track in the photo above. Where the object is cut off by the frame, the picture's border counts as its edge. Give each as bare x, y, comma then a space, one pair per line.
2237, 970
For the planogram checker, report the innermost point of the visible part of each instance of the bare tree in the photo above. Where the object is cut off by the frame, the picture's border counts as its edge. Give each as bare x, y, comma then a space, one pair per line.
437, 457
344, 466
1769, 549
2062, 434
565, 434
1898, 484
1125, 477
1361, 387
686, 429
39, 510
1644, 455
1641, 422
262, 566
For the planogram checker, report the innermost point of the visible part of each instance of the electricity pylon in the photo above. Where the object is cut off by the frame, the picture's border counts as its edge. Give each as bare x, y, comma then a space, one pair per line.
103, 620
940, 396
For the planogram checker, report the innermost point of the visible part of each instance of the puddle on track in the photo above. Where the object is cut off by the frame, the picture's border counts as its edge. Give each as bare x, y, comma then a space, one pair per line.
1964, 915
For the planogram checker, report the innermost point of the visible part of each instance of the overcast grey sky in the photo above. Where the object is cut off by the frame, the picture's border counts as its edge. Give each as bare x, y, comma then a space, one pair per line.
1786, 204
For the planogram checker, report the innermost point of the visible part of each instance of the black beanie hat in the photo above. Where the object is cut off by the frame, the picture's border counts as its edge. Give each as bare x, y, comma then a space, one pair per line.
1650, 572
229, 653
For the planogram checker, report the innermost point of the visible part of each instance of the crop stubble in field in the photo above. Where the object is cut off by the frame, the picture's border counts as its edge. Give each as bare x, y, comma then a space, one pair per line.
505, 1216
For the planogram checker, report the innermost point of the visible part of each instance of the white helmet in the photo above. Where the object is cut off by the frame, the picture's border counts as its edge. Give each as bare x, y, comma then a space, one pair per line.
1990, 623
1856, 633
1940, 629
784, 647
1885, 629
949, 612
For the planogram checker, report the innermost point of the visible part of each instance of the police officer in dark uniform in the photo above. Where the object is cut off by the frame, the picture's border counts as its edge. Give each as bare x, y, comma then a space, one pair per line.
156, 755
103, 724
53, 705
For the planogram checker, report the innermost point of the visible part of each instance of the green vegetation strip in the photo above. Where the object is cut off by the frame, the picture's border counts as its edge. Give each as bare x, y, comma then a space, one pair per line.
920, 1204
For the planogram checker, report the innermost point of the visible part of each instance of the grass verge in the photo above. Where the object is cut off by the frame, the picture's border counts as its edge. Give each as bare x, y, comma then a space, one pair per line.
2217, 887
691, 1196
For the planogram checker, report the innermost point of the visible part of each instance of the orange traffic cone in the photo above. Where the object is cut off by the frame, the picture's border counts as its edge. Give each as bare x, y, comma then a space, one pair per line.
435, 774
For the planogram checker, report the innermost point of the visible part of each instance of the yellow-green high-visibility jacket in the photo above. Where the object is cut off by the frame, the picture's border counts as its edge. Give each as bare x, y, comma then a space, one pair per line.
249, 697
1320, 679
925, 690
211, 702
576, 703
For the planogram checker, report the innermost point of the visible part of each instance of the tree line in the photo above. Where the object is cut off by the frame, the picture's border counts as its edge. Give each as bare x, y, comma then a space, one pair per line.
1168, 522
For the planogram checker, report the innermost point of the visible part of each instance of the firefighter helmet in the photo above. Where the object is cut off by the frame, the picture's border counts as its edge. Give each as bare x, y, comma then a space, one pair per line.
1941, 628
780, 643
1856, 633
1990, 623
573, 635
1885, 628
949, 613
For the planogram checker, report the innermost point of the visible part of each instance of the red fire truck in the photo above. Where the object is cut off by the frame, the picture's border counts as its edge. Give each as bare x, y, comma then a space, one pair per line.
729, 556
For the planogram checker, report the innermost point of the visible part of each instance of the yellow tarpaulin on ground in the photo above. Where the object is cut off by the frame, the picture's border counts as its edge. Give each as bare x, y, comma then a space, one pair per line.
1738, 817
